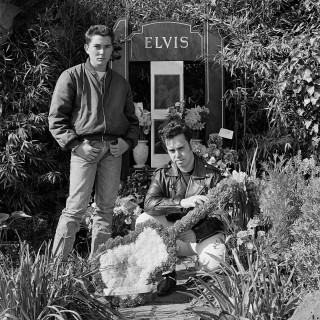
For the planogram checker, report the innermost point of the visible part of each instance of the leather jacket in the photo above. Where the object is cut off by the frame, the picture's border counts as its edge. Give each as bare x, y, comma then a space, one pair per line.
167, 188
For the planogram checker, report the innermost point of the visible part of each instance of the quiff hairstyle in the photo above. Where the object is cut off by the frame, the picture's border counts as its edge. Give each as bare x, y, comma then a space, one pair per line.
100, 30
172, 128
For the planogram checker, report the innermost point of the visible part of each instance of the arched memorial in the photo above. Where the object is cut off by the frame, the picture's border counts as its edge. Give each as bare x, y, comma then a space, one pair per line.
167, 45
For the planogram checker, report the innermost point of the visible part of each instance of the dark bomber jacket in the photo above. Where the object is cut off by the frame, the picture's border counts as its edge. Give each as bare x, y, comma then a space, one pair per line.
167, 187
83, 105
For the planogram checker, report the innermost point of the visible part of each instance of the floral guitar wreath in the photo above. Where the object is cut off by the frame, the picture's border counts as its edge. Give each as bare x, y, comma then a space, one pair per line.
139, 258
131, 263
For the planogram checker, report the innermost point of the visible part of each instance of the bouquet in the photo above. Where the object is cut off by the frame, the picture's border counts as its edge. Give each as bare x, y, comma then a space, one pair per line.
125, 213
194, 118
215, 154
144, 117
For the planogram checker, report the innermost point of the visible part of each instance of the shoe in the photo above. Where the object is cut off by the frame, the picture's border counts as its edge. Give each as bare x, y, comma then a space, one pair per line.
166, 285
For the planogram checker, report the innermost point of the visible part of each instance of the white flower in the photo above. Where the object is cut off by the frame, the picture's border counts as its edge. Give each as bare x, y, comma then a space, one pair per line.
130, 265
253, 223
212, 160
128, 220
239, 176
249, 245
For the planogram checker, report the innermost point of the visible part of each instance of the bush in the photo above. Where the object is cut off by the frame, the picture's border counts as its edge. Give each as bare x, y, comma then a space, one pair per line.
305, 250
280, 197
40, 288
260, 289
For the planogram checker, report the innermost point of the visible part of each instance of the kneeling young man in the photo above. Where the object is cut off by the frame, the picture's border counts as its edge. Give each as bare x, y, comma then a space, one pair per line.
177, 188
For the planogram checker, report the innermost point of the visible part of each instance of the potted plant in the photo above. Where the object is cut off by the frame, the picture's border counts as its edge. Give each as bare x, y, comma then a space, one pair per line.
141, 151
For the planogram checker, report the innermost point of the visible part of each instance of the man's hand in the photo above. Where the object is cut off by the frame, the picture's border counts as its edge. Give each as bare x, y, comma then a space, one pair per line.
119, 148
193, 201
86, 151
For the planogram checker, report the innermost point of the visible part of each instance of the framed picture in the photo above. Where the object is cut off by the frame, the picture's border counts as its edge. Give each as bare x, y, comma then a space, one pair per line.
167, 90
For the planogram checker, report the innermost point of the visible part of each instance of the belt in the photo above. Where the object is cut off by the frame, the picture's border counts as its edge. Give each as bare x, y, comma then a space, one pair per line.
99, 137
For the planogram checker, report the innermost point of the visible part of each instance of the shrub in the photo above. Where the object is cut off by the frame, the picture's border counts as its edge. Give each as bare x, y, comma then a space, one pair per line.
260, 289
305, 250
40, 288
280, 199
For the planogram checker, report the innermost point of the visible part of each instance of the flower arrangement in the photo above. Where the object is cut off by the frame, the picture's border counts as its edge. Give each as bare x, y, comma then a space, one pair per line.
128, 205
215, 154
131, 263
130, 201
194, 118
125, 212
144, 117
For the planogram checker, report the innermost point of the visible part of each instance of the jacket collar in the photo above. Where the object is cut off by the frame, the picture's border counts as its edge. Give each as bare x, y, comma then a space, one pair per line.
199, 170
89, 66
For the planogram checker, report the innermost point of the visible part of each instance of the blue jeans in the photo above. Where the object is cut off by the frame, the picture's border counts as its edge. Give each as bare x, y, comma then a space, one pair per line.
104, 173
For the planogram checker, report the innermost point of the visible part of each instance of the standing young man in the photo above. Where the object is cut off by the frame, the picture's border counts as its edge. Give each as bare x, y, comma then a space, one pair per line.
178, 187
92, 114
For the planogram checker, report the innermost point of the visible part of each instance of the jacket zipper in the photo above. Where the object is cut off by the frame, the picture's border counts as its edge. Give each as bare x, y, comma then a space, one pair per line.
102, 86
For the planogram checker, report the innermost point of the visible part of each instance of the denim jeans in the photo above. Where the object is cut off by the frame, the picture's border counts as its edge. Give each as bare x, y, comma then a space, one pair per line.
187, 245
104, 173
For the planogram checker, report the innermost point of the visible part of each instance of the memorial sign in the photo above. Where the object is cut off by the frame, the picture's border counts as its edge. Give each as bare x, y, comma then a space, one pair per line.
166, 40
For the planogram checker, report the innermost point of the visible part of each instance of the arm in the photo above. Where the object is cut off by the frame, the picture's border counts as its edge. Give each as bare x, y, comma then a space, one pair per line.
61, 112
158, 201
133, 132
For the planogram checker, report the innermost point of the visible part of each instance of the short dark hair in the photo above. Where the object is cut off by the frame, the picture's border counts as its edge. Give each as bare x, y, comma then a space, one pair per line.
171, 128
99, 29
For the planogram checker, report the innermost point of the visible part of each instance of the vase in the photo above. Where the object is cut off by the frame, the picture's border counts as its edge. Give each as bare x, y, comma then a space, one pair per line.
140, 153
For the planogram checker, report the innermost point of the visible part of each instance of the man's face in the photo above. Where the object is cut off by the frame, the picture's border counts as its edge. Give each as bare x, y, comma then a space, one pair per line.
180, 152
99, 51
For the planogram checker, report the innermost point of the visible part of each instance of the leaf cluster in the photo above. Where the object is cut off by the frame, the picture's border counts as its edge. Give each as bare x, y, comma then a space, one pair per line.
263, 290
40, 288
270, 53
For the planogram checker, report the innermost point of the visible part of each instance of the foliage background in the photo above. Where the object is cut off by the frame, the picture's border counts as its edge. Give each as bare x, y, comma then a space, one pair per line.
271, 58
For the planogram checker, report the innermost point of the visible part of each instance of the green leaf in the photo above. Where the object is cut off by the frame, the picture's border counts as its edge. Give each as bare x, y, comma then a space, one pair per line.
307, 123
316, 93
307, 75
300, 111
203, 312
316, 58
312, 40
315, 128
306, 101
313, 100
297, 88
282, 85
19, 214
3, 216
310, 90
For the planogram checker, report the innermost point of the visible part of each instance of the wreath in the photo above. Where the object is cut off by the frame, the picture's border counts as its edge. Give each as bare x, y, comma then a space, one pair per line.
134, 262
